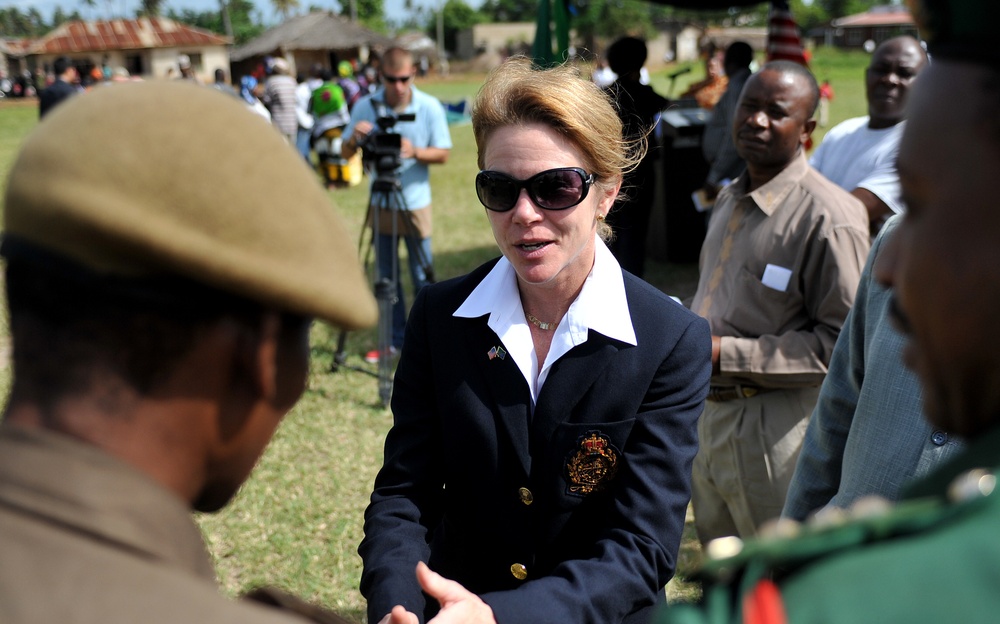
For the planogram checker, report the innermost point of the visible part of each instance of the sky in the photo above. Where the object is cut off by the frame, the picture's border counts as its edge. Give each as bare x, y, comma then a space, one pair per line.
127, 8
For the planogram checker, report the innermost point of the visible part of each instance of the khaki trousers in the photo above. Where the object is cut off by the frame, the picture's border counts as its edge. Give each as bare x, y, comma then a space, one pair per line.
746, 456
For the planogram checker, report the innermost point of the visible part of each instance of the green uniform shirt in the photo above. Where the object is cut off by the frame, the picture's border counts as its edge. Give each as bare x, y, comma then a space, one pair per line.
935, 557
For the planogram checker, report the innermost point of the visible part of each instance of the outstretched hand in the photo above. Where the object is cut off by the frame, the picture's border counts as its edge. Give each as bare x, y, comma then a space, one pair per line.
458, 605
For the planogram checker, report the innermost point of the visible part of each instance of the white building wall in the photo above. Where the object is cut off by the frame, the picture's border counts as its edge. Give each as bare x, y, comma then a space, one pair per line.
163, 61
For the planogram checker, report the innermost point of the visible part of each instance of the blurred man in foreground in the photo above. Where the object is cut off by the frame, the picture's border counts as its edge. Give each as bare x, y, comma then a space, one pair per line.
160, 334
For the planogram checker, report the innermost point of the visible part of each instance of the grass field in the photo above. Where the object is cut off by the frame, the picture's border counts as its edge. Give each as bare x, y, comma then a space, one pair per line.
297, 521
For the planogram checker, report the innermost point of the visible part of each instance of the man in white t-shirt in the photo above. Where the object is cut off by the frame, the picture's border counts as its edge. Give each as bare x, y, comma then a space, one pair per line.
859, 155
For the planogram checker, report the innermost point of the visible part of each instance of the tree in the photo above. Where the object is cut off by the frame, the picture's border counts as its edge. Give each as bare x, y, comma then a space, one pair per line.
610, 19
413, 17
370, 13
749, 16
14, 23
241, 14
241, 17
38, 25
841, 8
59, 16
510, 10
457, 16
809, 16
150, 8
285, 7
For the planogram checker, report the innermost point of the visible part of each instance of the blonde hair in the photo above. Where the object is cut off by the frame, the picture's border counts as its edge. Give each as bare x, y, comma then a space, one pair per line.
515, 93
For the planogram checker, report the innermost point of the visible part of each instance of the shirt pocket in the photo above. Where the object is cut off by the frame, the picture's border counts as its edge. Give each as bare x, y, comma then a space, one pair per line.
758, 310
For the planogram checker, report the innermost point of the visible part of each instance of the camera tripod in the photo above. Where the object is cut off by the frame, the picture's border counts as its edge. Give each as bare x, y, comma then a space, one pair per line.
386, 199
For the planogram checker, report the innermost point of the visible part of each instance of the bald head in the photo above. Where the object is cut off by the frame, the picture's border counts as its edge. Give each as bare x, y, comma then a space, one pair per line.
894, 66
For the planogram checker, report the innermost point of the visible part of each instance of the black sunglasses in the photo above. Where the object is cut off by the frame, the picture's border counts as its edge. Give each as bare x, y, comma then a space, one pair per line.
554, 189
395, 79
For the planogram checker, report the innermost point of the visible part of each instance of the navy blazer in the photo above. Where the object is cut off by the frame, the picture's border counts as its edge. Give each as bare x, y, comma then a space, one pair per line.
572, 514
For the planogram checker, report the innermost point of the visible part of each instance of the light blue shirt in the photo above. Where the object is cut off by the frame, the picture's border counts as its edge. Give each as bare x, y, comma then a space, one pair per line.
601, 306
867, 435
429, 129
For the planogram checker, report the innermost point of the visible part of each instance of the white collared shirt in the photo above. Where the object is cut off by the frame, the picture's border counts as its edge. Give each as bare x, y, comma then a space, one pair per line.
601, 306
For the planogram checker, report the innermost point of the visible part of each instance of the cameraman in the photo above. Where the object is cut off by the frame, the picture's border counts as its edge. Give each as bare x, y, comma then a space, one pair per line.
425, 141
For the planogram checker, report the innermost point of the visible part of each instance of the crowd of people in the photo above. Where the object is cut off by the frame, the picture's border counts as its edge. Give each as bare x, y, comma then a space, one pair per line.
825, 401
28, 84
70, 77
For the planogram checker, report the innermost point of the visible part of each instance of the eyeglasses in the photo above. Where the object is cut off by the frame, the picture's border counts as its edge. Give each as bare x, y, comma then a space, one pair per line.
395, 79
554, 189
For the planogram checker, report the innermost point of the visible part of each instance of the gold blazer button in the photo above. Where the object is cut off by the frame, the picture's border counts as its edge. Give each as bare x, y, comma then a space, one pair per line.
526, 496
519, 571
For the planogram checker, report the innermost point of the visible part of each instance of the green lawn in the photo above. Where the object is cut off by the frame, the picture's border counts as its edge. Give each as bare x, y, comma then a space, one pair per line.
297, 522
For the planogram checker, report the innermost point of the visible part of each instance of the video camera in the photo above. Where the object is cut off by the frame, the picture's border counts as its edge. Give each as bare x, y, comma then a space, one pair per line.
381, 148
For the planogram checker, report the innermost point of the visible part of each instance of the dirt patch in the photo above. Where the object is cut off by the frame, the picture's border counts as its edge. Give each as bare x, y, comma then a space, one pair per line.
25, 102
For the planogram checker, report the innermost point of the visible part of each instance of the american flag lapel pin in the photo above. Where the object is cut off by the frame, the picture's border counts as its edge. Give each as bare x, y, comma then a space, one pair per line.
496, 352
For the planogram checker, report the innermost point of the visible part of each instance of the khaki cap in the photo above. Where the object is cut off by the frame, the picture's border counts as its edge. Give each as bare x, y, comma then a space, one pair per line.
171, 178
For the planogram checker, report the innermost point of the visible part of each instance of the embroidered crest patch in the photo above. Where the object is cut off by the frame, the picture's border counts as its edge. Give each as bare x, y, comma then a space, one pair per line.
592, 466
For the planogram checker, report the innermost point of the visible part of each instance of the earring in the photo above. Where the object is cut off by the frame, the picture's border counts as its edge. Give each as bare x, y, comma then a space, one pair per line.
600, 218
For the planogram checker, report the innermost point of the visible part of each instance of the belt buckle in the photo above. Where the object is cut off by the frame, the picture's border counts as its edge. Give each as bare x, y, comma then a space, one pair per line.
722, 394
748, 392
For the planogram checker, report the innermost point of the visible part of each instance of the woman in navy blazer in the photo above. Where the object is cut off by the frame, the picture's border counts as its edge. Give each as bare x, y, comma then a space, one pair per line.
545, 404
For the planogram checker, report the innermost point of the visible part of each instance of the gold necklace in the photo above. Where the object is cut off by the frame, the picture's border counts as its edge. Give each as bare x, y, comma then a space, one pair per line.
542, 325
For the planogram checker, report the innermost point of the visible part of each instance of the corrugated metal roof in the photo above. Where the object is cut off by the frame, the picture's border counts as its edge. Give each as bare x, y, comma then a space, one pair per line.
319, 30
123, 34
875, 18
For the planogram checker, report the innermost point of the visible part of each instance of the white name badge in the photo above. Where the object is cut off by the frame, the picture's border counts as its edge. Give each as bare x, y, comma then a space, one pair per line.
776, 277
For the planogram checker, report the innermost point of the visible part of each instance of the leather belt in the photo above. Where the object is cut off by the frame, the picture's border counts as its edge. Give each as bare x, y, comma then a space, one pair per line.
721, 394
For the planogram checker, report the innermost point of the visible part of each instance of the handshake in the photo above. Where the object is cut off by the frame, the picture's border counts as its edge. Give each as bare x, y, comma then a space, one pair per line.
458, 605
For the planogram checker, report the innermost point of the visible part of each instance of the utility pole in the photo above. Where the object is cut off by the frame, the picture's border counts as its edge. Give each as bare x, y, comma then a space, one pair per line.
440, 29
226, 22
